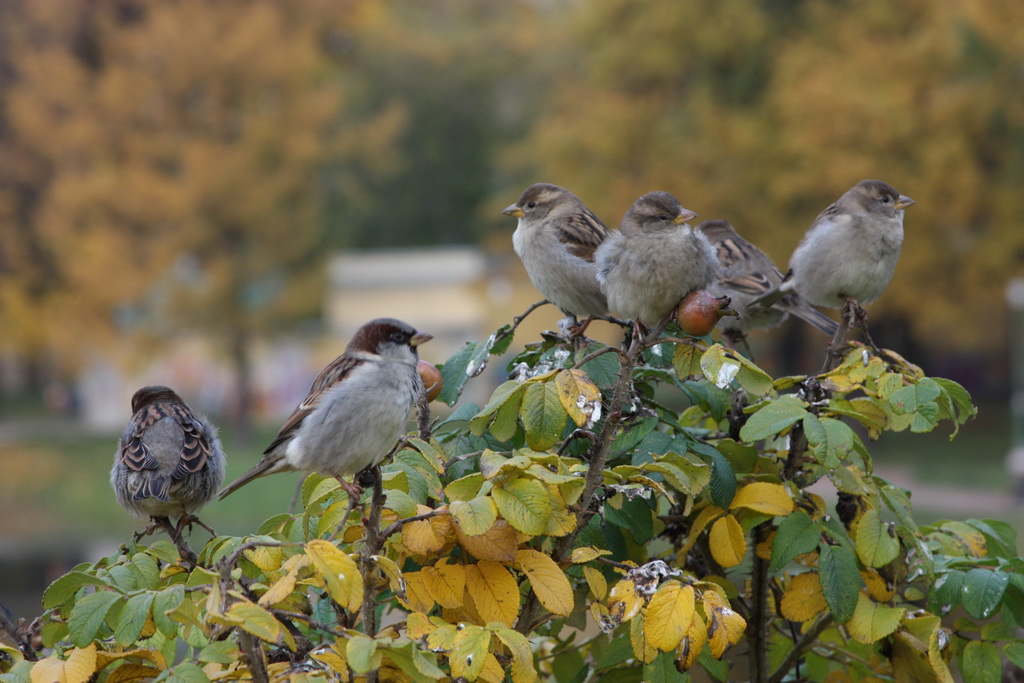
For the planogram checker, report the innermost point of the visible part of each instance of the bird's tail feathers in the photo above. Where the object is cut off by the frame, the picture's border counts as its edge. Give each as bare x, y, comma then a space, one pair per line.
153, 486
268, 465
811, 315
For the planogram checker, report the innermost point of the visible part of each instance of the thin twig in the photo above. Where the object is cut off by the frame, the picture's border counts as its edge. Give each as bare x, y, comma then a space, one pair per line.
759, 617
257, 660
397, 526
309, 620
594, 354
24, 644
809, 638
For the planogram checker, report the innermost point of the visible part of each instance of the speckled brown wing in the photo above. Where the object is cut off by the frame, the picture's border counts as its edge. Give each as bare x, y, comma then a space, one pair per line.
742, 266
195, 450
135, 455
333, 373
582, 233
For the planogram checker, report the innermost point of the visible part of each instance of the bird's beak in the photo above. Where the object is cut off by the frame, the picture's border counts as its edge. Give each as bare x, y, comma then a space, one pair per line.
513, 210
684, 215
903, 202
420, 338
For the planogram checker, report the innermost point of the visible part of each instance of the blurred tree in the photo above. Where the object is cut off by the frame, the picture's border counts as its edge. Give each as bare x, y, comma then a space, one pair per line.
764, 111
165, 164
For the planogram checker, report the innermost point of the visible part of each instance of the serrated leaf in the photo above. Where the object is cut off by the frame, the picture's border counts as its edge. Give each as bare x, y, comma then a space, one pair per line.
876, 547
166, 601
797, 534
525, 504
727, 541
261, 623
803, 599
88, 614
469, 651
64, 588
871, 622
722, 486
549, 583
720, 366
132, 618
445, 582
474, 516
522, 655
840, 580
464, 488
669, 613
764, 497
339, 572
773, 418
77, 668
580, 397
686, 360
982, 663
221, 652
428, 537
543, 415
494, 592
360, 652
507, 393
982, 591
1015, 652
498, 544
467, 362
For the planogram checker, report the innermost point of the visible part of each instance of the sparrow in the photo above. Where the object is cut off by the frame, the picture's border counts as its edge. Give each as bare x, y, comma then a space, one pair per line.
850, 251
355, 411
654, 259
745, 273
169, 461
556, 238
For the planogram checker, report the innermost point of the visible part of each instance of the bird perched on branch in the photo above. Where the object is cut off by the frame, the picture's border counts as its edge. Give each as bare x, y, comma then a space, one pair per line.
849, 253
355, 411
556, 238
654, 259
169, 461
745, 273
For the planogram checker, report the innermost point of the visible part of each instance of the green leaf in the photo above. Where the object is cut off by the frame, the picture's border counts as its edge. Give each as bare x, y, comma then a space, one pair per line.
982, 663
64, 588
773, 418
831, 441
464, 488
877, 545
840, 580
407, 657
467, 362
721, 366
797, 534
163, 602
187, 672
663, 670
946, 596
982, 591
132, 618
475, 516
220, 652
525, 504
88, 614
543, 415
634, 516
603, 370
1001, 537
1015, 652
508, 393
397, 500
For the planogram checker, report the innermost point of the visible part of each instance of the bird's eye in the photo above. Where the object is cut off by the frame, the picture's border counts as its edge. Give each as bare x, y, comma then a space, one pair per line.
530, 205
664, 217
400, 337
886, 199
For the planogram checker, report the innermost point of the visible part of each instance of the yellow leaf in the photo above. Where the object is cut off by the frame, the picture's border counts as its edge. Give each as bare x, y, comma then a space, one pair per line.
332, 657
692, 643
284, 586
474, 516
469, 650
642, 648
549, 583
395, 579
586, 554
428, 537
562, 521
417, 597
728, 543
872, 622
494, 592
418, 625
267, 558
522, 655
598, 584
260, 623
668, 615
803, 599
492, 671
445, 582
725, 628
498, 544
763, 497
579, 396
339, 572
879, 589
128, 673
704, 517
525, 504
624, 601
442, 638
77, 668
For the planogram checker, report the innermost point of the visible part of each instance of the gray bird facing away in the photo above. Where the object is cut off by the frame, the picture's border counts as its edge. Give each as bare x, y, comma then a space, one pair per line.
169, 461
654, 260
745, 273
357, 408
849, 253
556, 238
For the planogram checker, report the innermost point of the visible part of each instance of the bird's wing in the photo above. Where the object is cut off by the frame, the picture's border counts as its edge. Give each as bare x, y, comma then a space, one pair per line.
336, 371
196, 447
582, 233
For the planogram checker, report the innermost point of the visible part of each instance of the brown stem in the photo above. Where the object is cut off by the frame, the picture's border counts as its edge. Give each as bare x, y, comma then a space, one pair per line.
373, 542
257, 660
757, 626
805, 643
16, 634
833, 354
